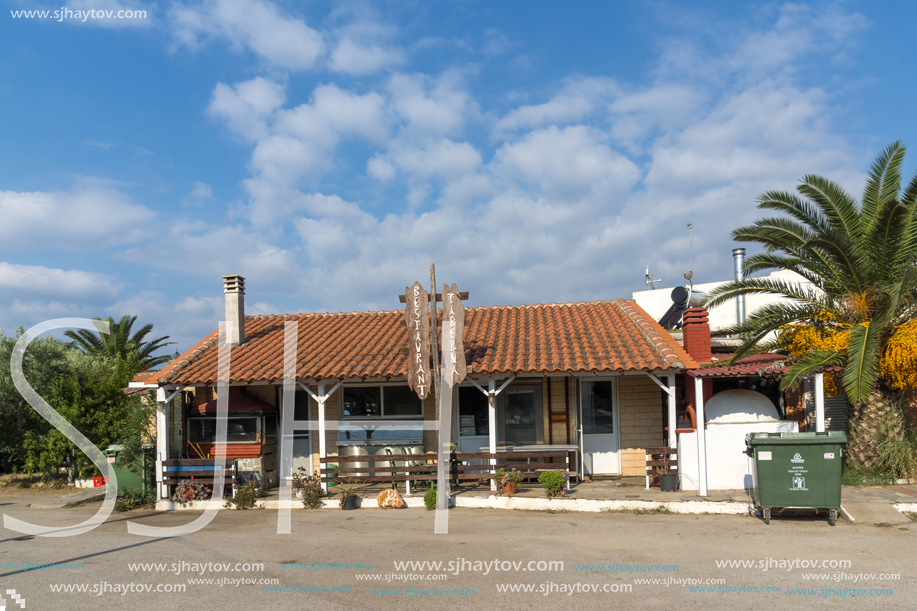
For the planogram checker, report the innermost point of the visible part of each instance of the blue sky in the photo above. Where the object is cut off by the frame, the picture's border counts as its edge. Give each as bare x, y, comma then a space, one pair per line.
328, 152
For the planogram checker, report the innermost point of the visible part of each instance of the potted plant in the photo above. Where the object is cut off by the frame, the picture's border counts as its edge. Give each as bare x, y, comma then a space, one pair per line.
508, 480
668, 482
349, 486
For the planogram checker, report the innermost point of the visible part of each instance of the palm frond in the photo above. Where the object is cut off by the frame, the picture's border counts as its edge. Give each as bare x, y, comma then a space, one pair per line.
862, 361
883, 182
813, 362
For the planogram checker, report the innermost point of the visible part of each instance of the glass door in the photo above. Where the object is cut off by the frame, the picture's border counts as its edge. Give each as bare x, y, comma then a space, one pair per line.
599, 418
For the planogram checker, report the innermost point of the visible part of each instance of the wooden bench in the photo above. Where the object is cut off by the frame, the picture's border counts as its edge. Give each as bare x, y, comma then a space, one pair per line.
404, 468
171, 476
659, 457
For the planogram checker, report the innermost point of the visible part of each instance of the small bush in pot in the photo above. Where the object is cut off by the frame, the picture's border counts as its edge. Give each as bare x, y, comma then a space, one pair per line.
508, 480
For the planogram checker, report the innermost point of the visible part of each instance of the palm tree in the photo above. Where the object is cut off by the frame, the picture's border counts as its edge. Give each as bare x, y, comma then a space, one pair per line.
119, 343
861, 260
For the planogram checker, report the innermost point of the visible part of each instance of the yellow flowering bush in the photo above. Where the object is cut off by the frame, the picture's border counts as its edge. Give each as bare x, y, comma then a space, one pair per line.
898, 364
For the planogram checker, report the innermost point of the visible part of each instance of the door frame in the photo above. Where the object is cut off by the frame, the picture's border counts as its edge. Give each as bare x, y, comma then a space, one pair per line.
616, 419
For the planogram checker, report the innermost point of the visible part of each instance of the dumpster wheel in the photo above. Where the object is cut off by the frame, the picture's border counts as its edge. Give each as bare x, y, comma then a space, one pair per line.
832, 517
766, 513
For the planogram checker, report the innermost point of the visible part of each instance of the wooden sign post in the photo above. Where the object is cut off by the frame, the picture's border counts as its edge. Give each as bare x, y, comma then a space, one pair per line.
418, 323
454, 369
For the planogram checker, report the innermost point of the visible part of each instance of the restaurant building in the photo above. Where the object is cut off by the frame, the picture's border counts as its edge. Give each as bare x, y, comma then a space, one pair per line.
597, 378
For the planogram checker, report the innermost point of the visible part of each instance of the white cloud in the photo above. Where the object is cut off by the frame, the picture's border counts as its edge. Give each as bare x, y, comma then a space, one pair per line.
255, 25
33, 280
247, 107
577, 99
200, 191
213, 252
363, 48
566, 163
431, 106
93, 214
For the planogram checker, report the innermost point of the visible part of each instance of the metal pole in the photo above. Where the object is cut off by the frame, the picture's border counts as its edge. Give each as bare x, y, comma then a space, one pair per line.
434, 346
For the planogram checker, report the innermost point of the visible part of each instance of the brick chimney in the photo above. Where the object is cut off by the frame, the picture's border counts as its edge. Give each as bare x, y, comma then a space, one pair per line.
697, 334
234, 291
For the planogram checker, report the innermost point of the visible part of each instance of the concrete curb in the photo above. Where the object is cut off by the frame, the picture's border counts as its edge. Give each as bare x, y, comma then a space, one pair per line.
512, 503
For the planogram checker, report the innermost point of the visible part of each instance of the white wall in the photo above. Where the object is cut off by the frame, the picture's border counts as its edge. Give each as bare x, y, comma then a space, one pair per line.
728, 468
658, 301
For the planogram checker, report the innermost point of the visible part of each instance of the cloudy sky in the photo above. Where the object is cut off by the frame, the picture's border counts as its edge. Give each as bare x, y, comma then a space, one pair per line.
328, 152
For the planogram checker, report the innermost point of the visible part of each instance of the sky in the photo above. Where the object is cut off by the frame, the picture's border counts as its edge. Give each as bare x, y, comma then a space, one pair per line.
536, 152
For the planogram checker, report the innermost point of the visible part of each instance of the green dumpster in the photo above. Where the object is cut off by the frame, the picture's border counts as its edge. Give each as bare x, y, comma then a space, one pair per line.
797, 471
128, 480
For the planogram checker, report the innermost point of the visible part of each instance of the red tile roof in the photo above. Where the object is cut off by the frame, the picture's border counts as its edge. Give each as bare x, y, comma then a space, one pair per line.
603, 336
147, 377
766, 364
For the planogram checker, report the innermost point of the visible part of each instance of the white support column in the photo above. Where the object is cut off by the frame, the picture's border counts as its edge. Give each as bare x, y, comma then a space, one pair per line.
492, 430
163, 433
820, 402
673, 418
322, 449
321, 398
701, 437
162, 441
492, 392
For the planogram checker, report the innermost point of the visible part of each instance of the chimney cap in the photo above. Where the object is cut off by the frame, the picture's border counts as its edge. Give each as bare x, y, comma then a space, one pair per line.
233, 283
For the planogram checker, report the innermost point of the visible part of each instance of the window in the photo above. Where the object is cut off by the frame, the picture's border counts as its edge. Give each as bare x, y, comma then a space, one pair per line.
598, 408
240, 428
380, 402
474, 412
375, 404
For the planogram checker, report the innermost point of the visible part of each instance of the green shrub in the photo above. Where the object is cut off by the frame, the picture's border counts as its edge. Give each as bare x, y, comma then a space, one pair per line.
130, 500
310, 486
553, 482
429, 499
245, 496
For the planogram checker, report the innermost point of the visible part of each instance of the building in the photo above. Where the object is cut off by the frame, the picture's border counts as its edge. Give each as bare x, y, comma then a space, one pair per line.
597, 378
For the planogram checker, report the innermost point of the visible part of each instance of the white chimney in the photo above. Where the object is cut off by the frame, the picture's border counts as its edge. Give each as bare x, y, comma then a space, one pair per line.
234, 290
738, 264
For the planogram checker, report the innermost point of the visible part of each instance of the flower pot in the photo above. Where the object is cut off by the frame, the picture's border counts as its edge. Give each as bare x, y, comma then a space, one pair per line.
668, 482
350, 502
509, 488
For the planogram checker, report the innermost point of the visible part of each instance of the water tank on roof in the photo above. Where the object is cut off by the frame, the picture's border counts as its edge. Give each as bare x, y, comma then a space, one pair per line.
735, 406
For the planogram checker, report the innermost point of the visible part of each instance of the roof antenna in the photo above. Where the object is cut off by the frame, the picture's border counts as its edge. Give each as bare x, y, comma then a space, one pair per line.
650, 281
690, 273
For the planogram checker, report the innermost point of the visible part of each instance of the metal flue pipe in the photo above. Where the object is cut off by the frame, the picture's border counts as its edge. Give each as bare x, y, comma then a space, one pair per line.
738, 263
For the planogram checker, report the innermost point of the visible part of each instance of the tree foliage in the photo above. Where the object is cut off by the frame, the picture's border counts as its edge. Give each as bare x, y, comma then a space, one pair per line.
44, 361
91, 398
861, 260
859, 313
119, 342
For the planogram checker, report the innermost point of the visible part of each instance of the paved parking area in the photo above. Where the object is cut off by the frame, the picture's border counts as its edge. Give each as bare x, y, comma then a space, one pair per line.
345, 560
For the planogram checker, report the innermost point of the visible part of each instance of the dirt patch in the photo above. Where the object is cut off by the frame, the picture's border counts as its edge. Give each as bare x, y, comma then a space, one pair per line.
21, 483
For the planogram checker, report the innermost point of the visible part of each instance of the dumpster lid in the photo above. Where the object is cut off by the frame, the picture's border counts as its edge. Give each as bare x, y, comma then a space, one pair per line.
807, 438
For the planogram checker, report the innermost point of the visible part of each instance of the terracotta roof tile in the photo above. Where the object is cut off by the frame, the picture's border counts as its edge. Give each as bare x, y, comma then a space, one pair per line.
601, 336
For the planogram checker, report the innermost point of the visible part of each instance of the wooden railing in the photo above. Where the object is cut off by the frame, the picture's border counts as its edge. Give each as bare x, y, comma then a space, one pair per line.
419, 467
208, 476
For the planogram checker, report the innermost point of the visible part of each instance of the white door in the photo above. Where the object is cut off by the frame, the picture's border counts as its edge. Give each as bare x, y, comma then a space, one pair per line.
599, 418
